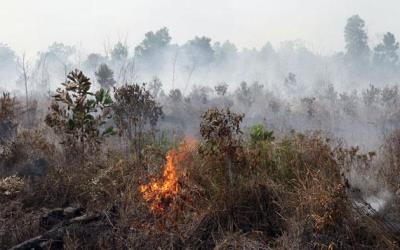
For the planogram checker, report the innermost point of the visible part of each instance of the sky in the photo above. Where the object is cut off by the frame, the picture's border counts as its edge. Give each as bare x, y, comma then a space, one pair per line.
31, 25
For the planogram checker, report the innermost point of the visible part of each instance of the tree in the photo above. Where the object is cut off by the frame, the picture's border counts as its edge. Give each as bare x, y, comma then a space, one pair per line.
225, 53
385, 53
290, 83
357, 49
309, 106
41, 76
267, 51
199, 50
222, 134
155, 86
176, 95
243, 94
199, 53
221, 89
25, 77
150, 51
61, 51
93, 61
8, 61
79, 116
135, 112
58, 58
199, 96
105, 76
25, 68
7, 56
371, 95
290, 79
119, 52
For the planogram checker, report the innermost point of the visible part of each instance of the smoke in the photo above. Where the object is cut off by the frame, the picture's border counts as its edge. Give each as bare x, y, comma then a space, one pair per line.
287, 87
379, 201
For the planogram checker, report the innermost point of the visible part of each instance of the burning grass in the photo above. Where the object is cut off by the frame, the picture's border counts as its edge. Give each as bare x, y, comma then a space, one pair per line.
161, 192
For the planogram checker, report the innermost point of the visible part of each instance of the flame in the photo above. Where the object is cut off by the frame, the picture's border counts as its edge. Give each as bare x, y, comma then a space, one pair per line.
162, 192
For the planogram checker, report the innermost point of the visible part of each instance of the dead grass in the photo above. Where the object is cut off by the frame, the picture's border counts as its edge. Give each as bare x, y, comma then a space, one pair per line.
288, 194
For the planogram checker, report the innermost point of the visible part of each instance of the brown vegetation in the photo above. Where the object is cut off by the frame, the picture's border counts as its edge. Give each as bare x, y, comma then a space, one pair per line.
227, 190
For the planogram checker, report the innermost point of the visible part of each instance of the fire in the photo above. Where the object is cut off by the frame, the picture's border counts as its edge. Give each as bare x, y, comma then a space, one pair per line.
162, 192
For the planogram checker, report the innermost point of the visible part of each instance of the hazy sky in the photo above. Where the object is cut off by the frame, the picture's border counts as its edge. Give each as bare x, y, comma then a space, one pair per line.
31, 25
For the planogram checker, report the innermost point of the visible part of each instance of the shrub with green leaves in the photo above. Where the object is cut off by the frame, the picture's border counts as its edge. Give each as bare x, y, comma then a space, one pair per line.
259, 134
79, 116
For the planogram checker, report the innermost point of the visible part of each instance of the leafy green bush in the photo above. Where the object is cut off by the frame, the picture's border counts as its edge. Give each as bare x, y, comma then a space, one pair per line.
258, 134
79, 116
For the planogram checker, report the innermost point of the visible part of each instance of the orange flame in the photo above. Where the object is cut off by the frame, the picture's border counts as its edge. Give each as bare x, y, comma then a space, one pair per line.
161, 193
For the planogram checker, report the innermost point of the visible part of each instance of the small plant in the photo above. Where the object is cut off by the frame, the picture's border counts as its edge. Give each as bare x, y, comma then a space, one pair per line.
8, 125
8, 117
79, 116
221, 131
259, 134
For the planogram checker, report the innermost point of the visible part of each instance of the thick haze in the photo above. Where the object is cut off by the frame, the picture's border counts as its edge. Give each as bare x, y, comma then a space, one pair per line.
30, 26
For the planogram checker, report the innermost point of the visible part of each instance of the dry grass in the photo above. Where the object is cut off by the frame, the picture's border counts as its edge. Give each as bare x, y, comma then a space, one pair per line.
289, 193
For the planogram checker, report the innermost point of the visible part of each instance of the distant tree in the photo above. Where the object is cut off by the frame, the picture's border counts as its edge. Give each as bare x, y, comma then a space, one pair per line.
135, 112
119, 52
267, 51
221, 89
58, 57
24, 66
7, 55
176, 95
150, 51
386, 53
199, 53
155, 86
225, 53
105, 76
308, 104
200, 95
127, 71
243, 94
349, 103
329, 93
256, 89
291, 84
41, 76
60, 52
8, 60
356, 38
390, 96
93, 61
290, 79
199, 50
371, 96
